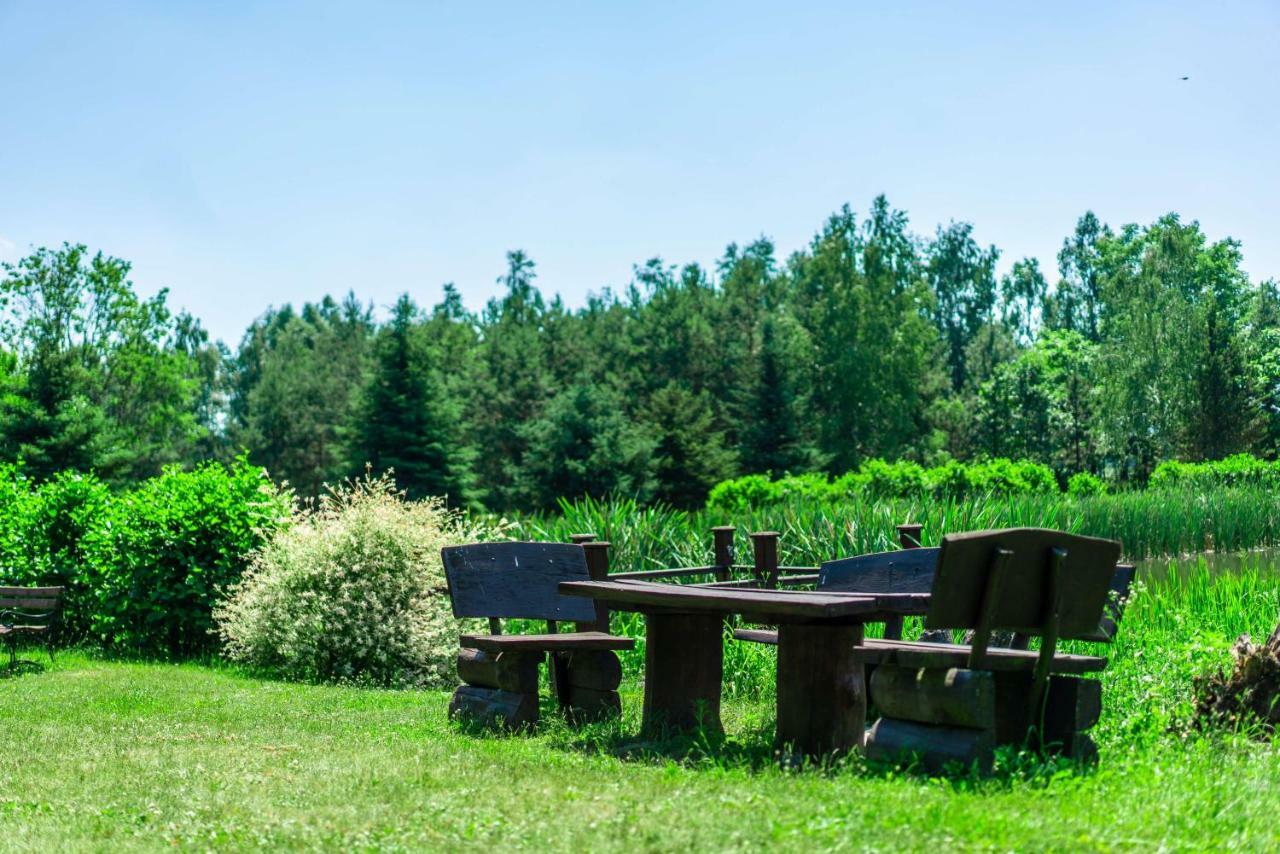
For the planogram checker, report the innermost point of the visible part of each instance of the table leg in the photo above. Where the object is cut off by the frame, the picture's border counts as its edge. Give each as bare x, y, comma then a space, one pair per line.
683, 669
822, 695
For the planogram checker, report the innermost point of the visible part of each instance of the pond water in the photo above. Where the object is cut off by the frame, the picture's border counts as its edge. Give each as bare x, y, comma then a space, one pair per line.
1218, 563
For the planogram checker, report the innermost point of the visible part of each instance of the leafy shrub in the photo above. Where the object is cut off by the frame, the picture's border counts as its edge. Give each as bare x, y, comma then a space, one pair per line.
169, 549
743, 493
1083, 484
62, 516
354, 591
1237, 470
812, 485
893, 480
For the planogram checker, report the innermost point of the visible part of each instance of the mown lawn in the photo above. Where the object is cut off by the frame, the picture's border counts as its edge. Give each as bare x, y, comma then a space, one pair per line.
105, 755
98, 755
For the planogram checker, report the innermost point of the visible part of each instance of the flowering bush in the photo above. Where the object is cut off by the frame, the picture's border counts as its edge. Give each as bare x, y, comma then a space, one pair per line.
353, 591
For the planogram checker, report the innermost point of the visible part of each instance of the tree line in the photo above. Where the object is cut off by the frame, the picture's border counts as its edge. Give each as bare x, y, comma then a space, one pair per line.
870, 342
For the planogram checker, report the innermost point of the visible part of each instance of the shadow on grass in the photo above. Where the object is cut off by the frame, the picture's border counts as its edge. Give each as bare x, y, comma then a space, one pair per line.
21, 667
749, 748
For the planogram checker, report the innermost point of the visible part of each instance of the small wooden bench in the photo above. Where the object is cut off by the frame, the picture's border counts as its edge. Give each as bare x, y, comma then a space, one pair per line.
28, 612
520, 581
950, 702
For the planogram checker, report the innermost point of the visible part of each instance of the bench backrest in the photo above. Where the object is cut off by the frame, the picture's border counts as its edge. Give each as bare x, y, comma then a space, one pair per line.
1010, 580
912, 571
29, 603
519, 580
903, 571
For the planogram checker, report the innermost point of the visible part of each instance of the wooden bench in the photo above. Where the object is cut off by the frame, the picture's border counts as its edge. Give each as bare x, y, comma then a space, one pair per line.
955, 703
520, 581
28, 612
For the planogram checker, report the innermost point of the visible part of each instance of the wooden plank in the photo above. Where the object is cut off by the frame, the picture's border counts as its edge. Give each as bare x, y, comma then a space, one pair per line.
947, 655
903, 571
563, 642
767, 636
671, 572
29, 604
821, 698
492, 707
643, 596
511, 671
599, 670
962, 569
516, 580
952, 697
1117, 599
684, 666
42, 592
935, 747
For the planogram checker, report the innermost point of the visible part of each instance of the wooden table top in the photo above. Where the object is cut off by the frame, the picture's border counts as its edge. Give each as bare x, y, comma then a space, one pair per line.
774, 605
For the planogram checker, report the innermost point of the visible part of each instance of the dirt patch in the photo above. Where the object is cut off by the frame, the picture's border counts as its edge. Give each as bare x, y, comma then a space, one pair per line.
1247, 696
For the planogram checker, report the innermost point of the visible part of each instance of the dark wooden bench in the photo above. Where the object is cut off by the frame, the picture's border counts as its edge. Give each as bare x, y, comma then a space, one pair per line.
520, 581
952, 702
28, 612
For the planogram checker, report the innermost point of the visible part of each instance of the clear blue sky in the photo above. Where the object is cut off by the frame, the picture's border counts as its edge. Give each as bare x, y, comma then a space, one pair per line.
248, 154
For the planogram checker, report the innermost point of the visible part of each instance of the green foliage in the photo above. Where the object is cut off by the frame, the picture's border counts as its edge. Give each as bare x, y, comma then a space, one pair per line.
351, 591
878, 479
1086, 483
99, 379
1236, 470
167, 551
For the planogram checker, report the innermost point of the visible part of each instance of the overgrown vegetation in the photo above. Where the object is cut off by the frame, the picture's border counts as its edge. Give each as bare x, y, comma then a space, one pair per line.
352, 591
872, 342
143, 567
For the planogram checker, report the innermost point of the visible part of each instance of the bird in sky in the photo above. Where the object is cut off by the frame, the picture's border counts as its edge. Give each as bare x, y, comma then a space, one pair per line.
1186, 78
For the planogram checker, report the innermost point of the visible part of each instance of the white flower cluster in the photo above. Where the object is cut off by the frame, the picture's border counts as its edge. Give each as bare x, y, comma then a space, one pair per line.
353, 591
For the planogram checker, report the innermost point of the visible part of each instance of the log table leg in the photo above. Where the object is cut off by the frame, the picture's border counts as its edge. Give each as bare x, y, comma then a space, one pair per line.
822, 695
684, 665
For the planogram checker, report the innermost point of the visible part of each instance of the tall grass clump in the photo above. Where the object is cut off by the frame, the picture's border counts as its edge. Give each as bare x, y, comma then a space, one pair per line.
353, 591
1155, 522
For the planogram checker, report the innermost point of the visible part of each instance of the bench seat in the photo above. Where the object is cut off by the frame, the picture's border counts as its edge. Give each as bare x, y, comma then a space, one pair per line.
919, 654
565, 642
946, 655
33, 630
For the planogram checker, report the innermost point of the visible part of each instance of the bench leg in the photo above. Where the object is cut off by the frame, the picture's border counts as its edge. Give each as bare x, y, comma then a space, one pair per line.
822, 695
684, 666
589, 682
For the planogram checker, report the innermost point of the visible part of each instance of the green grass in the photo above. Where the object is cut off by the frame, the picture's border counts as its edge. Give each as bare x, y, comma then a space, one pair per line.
103, 755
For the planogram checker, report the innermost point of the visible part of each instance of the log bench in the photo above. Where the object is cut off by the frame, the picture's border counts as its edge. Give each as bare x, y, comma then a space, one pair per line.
943, 703
500, 671
28, 612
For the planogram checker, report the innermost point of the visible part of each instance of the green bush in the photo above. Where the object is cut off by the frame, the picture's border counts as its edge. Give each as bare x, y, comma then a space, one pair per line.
1085, 484
169, 549
353, 592
892, 480
743, 493
1237, 470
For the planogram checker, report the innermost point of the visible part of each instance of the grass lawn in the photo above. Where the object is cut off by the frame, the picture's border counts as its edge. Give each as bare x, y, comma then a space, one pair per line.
105, 755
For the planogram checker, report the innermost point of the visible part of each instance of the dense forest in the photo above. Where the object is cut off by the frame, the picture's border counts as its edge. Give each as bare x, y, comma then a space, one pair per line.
871, 342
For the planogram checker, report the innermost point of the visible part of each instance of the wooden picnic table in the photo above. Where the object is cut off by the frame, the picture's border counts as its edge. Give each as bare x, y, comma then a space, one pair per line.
821, 692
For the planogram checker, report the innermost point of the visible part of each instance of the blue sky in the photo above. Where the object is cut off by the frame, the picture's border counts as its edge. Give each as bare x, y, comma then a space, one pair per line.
250, 154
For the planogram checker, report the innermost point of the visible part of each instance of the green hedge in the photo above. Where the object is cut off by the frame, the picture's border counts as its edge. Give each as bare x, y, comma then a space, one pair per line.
878, 479
1238, 470
143, 568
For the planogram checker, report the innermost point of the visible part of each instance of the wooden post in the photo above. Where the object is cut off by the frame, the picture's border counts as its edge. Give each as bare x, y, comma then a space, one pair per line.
765, 544
722, 537
580, 539
909, 536
1049, 634
990, 601
684, 666
822, 695
597, 553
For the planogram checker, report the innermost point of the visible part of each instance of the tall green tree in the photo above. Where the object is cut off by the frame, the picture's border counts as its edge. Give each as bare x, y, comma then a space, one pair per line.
410, 421
962, 275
